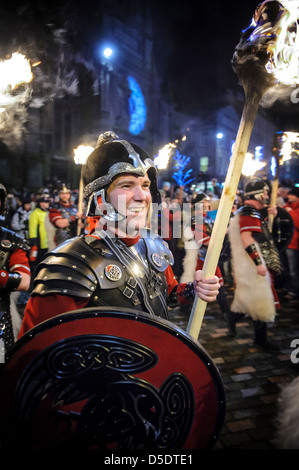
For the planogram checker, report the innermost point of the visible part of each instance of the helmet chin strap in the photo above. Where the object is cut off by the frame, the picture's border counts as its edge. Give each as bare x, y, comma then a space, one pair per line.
105, 209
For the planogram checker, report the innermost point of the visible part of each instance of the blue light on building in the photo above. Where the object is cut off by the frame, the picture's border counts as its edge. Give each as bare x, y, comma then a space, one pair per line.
137, 107
258, 153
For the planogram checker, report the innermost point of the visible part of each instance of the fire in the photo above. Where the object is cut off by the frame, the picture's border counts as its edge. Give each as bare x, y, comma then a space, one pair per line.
275, 25
288, 146
14, 71
81, 154
161, 160
251, 165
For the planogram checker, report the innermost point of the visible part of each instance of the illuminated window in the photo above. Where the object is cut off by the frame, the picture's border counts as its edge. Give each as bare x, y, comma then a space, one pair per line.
137, 108
204, 163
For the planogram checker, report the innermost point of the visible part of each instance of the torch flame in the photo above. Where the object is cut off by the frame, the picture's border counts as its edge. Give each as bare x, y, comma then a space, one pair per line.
251, 165
274, 28
14, 71
288, 142
161, 160
81, 154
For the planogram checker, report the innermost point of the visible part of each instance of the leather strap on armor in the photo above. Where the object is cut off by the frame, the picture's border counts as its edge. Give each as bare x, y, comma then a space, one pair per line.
107, 273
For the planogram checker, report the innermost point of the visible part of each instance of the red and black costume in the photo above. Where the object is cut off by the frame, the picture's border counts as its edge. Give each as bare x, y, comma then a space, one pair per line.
13, 262
64, 211
91, 271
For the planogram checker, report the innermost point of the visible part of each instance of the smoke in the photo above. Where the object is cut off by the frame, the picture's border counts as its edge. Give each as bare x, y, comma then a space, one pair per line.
280, 93
13, 117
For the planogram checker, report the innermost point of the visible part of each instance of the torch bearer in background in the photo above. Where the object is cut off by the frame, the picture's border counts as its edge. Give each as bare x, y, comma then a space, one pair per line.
81, 154
259, 67
285, 146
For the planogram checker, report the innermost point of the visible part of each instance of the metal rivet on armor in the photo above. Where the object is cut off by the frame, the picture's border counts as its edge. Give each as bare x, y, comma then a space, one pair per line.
151, 296
88, 295
64, 291
83, 256
70, 278
102, 275
74, 266
92, 288
46, 277
96, 297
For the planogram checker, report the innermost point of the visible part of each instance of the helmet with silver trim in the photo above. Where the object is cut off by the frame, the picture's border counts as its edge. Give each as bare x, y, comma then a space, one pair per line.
256, 189
64, 189
113, 157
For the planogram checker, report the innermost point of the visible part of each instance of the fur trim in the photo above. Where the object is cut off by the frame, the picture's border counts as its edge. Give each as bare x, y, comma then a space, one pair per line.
189, 265
253, 294
287, 436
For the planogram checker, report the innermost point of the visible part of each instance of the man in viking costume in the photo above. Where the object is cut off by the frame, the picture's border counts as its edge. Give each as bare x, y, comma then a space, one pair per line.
64, 215
255, 261
119, 262
14, 274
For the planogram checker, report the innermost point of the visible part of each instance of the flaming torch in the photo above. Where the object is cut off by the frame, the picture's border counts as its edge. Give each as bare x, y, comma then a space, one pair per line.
81, 154
259, 66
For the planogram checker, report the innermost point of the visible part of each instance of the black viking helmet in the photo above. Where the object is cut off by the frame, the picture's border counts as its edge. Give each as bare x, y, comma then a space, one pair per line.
255, 189
199, 197
109, 159
3, 195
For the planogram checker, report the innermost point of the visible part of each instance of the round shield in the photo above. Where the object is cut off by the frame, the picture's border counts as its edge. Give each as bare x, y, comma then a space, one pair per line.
283, 229
106, 378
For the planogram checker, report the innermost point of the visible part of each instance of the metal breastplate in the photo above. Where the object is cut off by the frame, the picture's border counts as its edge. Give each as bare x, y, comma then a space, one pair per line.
108, 273
63, 234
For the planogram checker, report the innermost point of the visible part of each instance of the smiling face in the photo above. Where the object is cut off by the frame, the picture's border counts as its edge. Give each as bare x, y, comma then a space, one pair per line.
131, 196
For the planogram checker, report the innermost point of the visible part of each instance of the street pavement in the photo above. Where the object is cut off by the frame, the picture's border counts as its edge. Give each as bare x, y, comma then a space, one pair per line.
252, 378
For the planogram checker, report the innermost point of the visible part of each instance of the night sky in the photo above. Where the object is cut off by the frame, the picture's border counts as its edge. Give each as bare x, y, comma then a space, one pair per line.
194, 41
200, 39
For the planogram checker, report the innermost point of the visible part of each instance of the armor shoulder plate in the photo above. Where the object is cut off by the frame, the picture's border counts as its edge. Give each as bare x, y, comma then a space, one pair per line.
74, 268
250, 211
9, 241
158, 251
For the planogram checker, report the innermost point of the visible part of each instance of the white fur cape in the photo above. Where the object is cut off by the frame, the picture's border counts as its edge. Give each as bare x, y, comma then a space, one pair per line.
253, 294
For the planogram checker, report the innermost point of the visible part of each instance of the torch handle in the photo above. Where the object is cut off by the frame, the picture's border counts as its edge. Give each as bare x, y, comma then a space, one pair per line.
273, 202
80, 205
225, 207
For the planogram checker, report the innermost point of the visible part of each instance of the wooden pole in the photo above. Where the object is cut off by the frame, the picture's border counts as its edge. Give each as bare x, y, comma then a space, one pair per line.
273, 202
80, 205
255, 82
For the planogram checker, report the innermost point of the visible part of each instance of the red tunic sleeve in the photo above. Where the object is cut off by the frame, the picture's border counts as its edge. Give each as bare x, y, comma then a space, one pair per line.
250, 224
39, 309
19, 262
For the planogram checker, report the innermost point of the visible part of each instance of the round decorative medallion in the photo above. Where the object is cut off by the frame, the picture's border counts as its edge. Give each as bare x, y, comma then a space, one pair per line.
113, 272
157, 259
6, 244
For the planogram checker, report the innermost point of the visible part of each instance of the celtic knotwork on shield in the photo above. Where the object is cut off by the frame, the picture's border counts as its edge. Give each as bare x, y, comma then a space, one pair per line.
117, 408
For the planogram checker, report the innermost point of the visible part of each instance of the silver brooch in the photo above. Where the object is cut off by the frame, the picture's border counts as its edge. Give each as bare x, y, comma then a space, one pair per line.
113, 272
6, 244
157, 259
